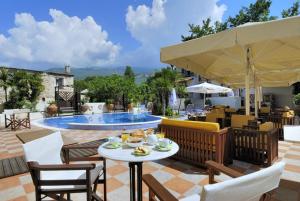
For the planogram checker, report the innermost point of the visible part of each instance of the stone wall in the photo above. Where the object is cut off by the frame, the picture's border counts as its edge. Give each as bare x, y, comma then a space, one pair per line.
49, 82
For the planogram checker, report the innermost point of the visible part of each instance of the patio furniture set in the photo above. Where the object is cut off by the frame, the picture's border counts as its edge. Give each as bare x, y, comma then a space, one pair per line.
199, 143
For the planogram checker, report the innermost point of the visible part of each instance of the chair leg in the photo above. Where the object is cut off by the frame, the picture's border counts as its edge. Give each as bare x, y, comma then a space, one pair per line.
95, 188
89, 194
69, 196
104, 177
37, 196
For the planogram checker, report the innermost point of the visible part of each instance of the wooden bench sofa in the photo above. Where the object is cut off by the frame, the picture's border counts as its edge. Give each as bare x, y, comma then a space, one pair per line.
198, 141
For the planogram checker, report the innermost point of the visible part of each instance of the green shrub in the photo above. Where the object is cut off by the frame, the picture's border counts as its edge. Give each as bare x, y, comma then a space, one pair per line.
187, 102
169, 112
296, 99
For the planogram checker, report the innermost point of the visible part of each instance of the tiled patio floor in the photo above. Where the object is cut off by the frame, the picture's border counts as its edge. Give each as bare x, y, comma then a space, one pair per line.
181, 179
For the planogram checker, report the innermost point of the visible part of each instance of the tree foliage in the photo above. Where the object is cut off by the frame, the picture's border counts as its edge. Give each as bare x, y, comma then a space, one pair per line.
119, 89
258, 11
4, 81
25, 89
129, 74
292, 11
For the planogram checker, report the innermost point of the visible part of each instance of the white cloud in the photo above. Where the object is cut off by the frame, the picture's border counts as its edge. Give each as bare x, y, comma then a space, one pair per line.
63, 40
163, 24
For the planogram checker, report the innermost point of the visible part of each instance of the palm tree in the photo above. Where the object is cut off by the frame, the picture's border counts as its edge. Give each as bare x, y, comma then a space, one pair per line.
4, 81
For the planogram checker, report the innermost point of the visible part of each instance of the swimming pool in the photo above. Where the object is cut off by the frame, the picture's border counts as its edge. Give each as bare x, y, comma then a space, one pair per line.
105, 121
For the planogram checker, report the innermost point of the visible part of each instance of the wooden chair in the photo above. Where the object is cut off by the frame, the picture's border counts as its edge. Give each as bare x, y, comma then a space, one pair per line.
258, 147
280, 120
53, 178
17, 119
257, 186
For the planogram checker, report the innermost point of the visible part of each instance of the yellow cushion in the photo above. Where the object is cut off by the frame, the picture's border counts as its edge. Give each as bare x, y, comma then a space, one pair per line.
213, 117
230, 110
217, 110
265, 109
219, 106
290, 113
214, 127
267, 126
238, 121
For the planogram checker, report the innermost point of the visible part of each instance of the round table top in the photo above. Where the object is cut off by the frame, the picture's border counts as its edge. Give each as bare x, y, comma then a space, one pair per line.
124, 153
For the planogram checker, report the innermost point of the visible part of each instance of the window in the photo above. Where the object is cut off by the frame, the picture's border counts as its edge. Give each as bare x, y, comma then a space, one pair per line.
59, 82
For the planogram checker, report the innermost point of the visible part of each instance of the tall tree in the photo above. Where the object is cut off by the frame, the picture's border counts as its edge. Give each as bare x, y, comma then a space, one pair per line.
255, 12
129, 73
161, 84
292, 11
4, 81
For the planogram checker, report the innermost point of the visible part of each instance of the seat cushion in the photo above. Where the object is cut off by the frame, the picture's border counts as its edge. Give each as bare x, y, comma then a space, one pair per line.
267, 126
195, 197
69, 175
209, 126
238, 121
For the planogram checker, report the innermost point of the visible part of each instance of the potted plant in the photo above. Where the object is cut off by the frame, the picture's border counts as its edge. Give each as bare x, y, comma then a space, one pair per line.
109, 105
84, 107
52, 108
130, 105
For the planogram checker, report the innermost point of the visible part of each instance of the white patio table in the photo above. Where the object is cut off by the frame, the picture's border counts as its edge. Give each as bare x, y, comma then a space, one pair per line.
124, 153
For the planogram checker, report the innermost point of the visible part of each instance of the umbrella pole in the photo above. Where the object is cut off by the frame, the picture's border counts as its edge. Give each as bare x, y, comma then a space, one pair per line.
204, 101
247, 82
256, 98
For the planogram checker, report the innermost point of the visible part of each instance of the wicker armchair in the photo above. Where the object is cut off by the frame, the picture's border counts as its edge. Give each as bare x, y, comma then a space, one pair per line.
198, 141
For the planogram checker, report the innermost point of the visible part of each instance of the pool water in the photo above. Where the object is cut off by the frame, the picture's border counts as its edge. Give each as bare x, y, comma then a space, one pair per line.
111, 121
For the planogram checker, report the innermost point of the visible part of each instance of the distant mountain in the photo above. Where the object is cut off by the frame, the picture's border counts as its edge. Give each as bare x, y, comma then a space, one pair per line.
81, 73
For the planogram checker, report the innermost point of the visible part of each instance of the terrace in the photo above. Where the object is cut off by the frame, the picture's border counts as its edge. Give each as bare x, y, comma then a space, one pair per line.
138, 142
180, 178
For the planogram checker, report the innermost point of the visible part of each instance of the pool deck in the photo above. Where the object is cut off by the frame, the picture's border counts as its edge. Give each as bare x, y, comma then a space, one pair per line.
169, 172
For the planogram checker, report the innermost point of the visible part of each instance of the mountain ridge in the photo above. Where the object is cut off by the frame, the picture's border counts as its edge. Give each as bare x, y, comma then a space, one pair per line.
81, 73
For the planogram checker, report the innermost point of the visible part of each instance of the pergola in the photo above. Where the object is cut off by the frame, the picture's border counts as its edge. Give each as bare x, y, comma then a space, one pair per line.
259, 54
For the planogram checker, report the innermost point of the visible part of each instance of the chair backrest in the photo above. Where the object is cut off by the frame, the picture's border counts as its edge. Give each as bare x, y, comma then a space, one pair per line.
246, 188
45, 150
238, 121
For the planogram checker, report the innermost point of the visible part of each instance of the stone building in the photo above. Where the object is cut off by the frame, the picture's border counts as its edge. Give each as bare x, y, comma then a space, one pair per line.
50, 81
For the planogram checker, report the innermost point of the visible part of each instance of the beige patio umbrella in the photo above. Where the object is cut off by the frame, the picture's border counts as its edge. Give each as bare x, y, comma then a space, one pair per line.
255, 54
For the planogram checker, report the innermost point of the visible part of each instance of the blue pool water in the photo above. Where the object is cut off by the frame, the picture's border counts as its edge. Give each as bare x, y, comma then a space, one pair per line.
105, 121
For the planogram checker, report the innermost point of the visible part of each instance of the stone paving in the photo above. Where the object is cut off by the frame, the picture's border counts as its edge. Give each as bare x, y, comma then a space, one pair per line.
181, 179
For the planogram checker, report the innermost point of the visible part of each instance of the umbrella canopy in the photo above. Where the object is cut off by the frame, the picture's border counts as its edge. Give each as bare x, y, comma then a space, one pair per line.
207, 88
272, 50
255, 54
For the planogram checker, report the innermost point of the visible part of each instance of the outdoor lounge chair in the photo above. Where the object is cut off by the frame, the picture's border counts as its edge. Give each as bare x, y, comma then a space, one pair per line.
257, 186
52, 178
17, 118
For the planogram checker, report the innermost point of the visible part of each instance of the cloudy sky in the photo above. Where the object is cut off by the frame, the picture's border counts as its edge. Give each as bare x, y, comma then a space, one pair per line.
51, 33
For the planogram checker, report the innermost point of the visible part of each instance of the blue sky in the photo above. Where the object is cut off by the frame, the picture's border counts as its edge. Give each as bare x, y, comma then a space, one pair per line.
117, 33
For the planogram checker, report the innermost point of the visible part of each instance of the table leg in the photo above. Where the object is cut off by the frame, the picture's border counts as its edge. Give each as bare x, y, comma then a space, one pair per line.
138, 180
132, 181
